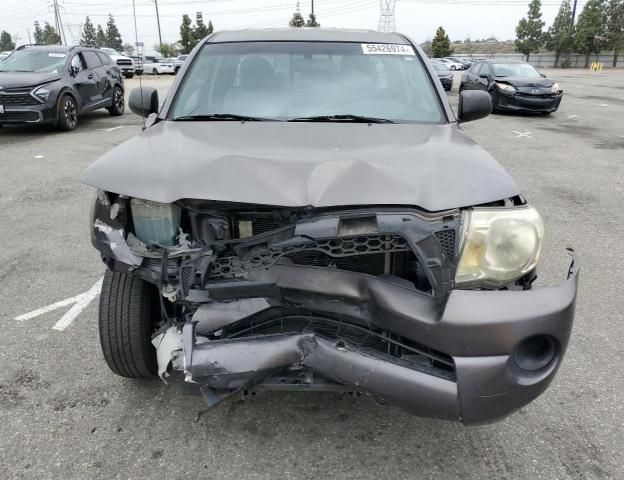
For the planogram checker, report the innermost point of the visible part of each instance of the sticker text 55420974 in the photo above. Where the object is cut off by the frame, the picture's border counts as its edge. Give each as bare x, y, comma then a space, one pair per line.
387, 49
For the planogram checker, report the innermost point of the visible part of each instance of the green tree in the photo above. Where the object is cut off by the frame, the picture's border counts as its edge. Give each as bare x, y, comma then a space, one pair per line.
113, 37
38, 34
186, 35
50, 37
167, 49
441, 44
297, 19
560, 37
200, 31
100, 37
312, 21
529, 35
590, 29
6, 42
88, 33
615, 28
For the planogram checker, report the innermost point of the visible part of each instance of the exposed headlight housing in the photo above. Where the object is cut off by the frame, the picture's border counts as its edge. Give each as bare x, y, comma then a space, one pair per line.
505, 87
555, 88
154, 222
498, 245
42, 93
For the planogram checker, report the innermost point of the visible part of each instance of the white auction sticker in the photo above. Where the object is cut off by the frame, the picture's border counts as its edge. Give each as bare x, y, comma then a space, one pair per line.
387, 49
56, 55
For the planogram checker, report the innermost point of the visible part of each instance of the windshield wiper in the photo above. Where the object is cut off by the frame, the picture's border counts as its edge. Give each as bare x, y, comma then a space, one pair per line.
342, 118
207, 117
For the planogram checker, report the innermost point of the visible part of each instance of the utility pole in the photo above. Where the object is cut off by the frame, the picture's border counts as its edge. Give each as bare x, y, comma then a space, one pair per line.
312, 7
29, 40
158, 22
58, 24
573, 12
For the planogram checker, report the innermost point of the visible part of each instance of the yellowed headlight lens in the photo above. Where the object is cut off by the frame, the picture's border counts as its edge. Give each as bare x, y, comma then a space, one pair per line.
499, 245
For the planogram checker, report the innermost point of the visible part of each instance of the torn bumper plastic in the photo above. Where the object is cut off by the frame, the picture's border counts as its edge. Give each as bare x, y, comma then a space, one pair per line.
480, 330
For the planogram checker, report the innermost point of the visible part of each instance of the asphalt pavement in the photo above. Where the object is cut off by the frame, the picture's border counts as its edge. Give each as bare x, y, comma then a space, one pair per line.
63, 414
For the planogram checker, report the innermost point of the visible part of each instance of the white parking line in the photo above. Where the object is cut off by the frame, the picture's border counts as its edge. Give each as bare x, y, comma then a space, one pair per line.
525, 134
112, 129
574, 116
604, 104
79, 302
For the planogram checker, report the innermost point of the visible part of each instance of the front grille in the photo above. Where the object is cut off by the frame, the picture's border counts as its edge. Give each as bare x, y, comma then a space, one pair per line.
373, 264
447, 240
412, 354
18, 99
19, 117
336, 248
122, 61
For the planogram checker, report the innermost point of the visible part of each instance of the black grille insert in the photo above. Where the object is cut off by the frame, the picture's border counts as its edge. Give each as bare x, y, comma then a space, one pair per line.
412, 354
18, 99
317, 252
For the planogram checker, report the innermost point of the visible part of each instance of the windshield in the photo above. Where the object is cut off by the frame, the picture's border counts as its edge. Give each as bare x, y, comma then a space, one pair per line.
299, 80
514, 70
440, 67
34, 61
110, 51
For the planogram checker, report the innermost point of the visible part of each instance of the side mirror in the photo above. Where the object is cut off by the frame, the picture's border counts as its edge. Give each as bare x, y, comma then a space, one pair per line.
542, 75
473, 105
484, 75
73, 70
144, 101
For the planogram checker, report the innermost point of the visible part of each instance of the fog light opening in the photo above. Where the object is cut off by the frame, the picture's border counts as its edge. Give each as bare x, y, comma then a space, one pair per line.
535, 353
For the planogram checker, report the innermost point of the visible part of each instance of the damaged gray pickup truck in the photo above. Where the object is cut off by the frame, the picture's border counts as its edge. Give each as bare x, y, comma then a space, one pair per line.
304, 213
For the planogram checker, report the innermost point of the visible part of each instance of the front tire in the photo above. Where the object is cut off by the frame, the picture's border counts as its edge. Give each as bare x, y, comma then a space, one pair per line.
129, 314
118, 107
68, 113
154, 71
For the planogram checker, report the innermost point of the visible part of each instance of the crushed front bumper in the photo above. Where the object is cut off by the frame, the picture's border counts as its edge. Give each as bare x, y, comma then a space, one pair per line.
451, 356
521, 101
479, 330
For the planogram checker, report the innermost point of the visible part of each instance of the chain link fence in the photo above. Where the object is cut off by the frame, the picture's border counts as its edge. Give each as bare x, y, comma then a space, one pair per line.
547, 59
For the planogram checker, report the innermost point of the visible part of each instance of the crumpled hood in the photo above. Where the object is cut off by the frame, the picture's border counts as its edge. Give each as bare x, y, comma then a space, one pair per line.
527, 82
435, 167
25, 79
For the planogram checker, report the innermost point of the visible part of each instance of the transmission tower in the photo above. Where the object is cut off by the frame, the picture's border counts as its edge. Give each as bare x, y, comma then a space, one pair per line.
387, 20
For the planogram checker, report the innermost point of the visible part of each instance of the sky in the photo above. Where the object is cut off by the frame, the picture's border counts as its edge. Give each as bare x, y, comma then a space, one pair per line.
417, 18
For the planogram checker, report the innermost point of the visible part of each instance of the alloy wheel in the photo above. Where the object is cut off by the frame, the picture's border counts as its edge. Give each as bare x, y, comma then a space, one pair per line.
118, 99
69, 111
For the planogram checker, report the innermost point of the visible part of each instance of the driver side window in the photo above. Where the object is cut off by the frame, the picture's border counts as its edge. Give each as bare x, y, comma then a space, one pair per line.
77, 63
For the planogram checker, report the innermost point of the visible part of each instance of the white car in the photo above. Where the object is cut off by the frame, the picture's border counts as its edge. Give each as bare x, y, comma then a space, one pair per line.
159, 66
451, 64
126, 64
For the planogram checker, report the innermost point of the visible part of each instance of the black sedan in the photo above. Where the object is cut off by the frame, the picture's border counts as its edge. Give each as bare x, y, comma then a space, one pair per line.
444, 74
514, 86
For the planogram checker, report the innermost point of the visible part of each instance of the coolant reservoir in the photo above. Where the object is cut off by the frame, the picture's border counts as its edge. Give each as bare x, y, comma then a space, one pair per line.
155, 222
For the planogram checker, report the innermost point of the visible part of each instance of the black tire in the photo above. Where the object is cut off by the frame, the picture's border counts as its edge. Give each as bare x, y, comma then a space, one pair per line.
494, 101
67, 113
129, 75
119, 104
129, 314
177, 69
154, 71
